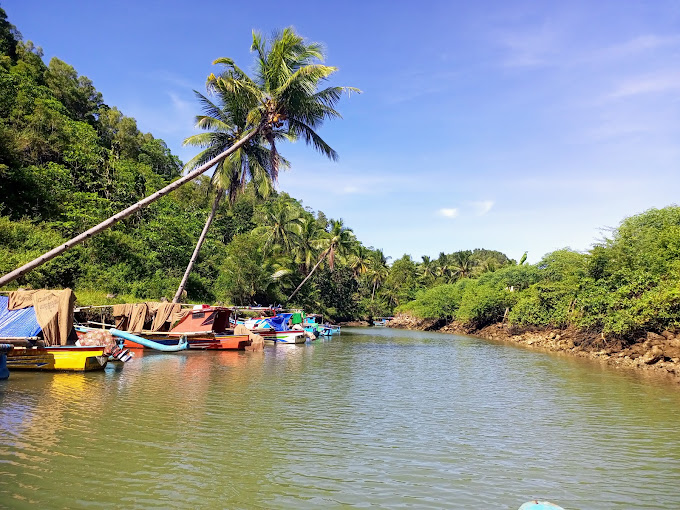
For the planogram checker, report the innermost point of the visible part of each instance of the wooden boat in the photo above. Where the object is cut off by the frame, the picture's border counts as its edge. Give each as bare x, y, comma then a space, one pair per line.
315, 324
69, 358
35, 348
204, 327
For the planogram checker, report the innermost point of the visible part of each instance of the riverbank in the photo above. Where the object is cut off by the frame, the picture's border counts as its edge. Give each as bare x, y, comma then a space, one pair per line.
654, 352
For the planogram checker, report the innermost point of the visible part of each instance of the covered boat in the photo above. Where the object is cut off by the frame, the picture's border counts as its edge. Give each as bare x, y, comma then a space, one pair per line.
278, 329
203, 326
39, 326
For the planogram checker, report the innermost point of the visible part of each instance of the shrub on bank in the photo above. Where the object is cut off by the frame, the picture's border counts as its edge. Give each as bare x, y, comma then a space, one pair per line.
624, 286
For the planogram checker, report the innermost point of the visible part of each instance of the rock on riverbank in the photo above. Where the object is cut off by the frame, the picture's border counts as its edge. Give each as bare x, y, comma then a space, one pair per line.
653, 352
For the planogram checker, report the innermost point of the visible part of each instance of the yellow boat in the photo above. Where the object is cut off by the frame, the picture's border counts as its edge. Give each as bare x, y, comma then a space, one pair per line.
58, 358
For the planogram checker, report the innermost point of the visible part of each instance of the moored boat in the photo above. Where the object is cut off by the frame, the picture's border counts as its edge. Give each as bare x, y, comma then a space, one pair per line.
285, 337
69, 358
381, 321
39, 326
316, 324
165, 327
277, 329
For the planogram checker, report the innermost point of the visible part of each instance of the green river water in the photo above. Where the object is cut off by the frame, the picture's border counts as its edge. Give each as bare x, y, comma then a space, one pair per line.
374, 418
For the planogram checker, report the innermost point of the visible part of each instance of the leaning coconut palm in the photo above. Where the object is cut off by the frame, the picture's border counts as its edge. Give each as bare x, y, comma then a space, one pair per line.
252, 162
283, 98
339, 241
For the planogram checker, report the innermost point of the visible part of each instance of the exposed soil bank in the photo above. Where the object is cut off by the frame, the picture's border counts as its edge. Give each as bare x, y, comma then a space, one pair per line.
659, 353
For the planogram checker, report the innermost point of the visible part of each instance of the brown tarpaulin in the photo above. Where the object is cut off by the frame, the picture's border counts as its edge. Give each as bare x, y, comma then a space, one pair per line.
138, 317
167, 312
131, 317
53, 310
121, 315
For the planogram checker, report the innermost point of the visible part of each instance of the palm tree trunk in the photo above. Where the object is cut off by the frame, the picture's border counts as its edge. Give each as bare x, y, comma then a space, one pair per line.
199, 243
17, 273
323, 256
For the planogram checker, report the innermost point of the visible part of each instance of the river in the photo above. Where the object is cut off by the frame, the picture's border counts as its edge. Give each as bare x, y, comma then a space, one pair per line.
374, 418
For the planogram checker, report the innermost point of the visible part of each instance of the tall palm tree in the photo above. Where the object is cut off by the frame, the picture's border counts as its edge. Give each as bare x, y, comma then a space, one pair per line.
443, 270
462, 264
361, 261
339, 241
252, 162
427, 270
378, 271
282, 99
305, 250
282, 223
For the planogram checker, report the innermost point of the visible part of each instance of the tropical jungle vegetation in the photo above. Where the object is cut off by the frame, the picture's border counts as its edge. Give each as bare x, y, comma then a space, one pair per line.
624, 286
69, 161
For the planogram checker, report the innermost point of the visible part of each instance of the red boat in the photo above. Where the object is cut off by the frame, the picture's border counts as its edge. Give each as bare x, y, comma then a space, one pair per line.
205, 327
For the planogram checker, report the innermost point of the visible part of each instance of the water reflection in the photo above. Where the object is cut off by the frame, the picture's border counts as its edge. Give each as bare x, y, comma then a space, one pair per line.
370, 418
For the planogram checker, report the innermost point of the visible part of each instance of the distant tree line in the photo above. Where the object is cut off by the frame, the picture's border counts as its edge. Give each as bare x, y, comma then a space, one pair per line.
624, 286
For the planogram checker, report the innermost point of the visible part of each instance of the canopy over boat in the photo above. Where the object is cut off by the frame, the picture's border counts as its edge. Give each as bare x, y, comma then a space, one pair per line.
20, 323
26, 314
280, 322
207, 319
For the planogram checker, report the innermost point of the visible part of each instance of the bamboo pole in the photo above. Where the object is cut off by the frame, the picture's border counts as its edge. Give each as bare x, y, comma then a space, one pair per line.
17, 273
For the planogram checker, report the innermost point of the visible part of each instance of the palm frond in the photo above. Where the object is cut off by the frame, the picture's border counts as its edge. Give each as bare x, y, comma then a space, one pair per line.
311, 138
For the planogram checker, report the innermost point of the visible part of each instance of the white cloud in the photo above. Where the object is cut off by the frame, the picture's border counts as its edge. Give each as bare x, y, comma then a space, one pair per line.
647, 85
482, 207
350, 190
448, 213
637, 45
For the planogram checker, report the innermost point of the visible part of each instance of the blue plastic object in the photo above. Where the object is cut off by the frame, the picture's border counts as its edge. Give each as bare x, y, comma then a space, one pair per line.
17, 323
540, 505
182, 345
280, 322
4, 372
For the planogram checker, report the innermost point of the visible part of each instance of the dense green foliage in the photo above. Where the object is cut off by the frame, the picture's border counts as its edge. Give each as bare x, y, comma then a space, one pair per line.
69, 161
621, 287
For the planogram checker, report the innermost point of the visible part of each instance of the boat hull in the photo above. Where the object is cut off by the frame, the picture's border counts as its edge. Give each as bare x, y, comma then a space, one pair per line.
216, 343
221, 343
285, 337
58, 359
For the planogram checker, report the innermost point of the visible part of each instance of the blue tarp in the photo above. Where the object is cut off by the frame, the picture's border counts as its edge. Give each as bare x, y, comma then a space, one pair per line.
280, 322
17, 323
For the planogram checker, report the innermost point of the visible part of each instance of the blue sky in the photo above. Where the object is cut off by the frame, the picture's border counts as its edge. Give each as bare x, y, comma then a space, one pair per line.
508, 125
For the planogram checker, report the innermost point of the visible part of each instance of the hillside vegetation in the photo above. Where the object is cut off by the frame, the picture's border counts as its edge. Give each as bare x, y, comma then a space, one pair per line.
68, 161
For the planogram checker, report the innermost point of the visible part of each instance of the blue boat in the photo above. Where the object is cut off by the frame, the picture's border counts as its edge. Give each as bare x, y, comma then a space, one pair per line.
315, 324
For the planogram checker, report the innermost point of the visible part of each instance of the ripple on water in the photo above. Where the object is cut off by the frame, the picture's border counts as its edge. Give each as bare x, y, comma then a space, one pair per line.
377, 418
